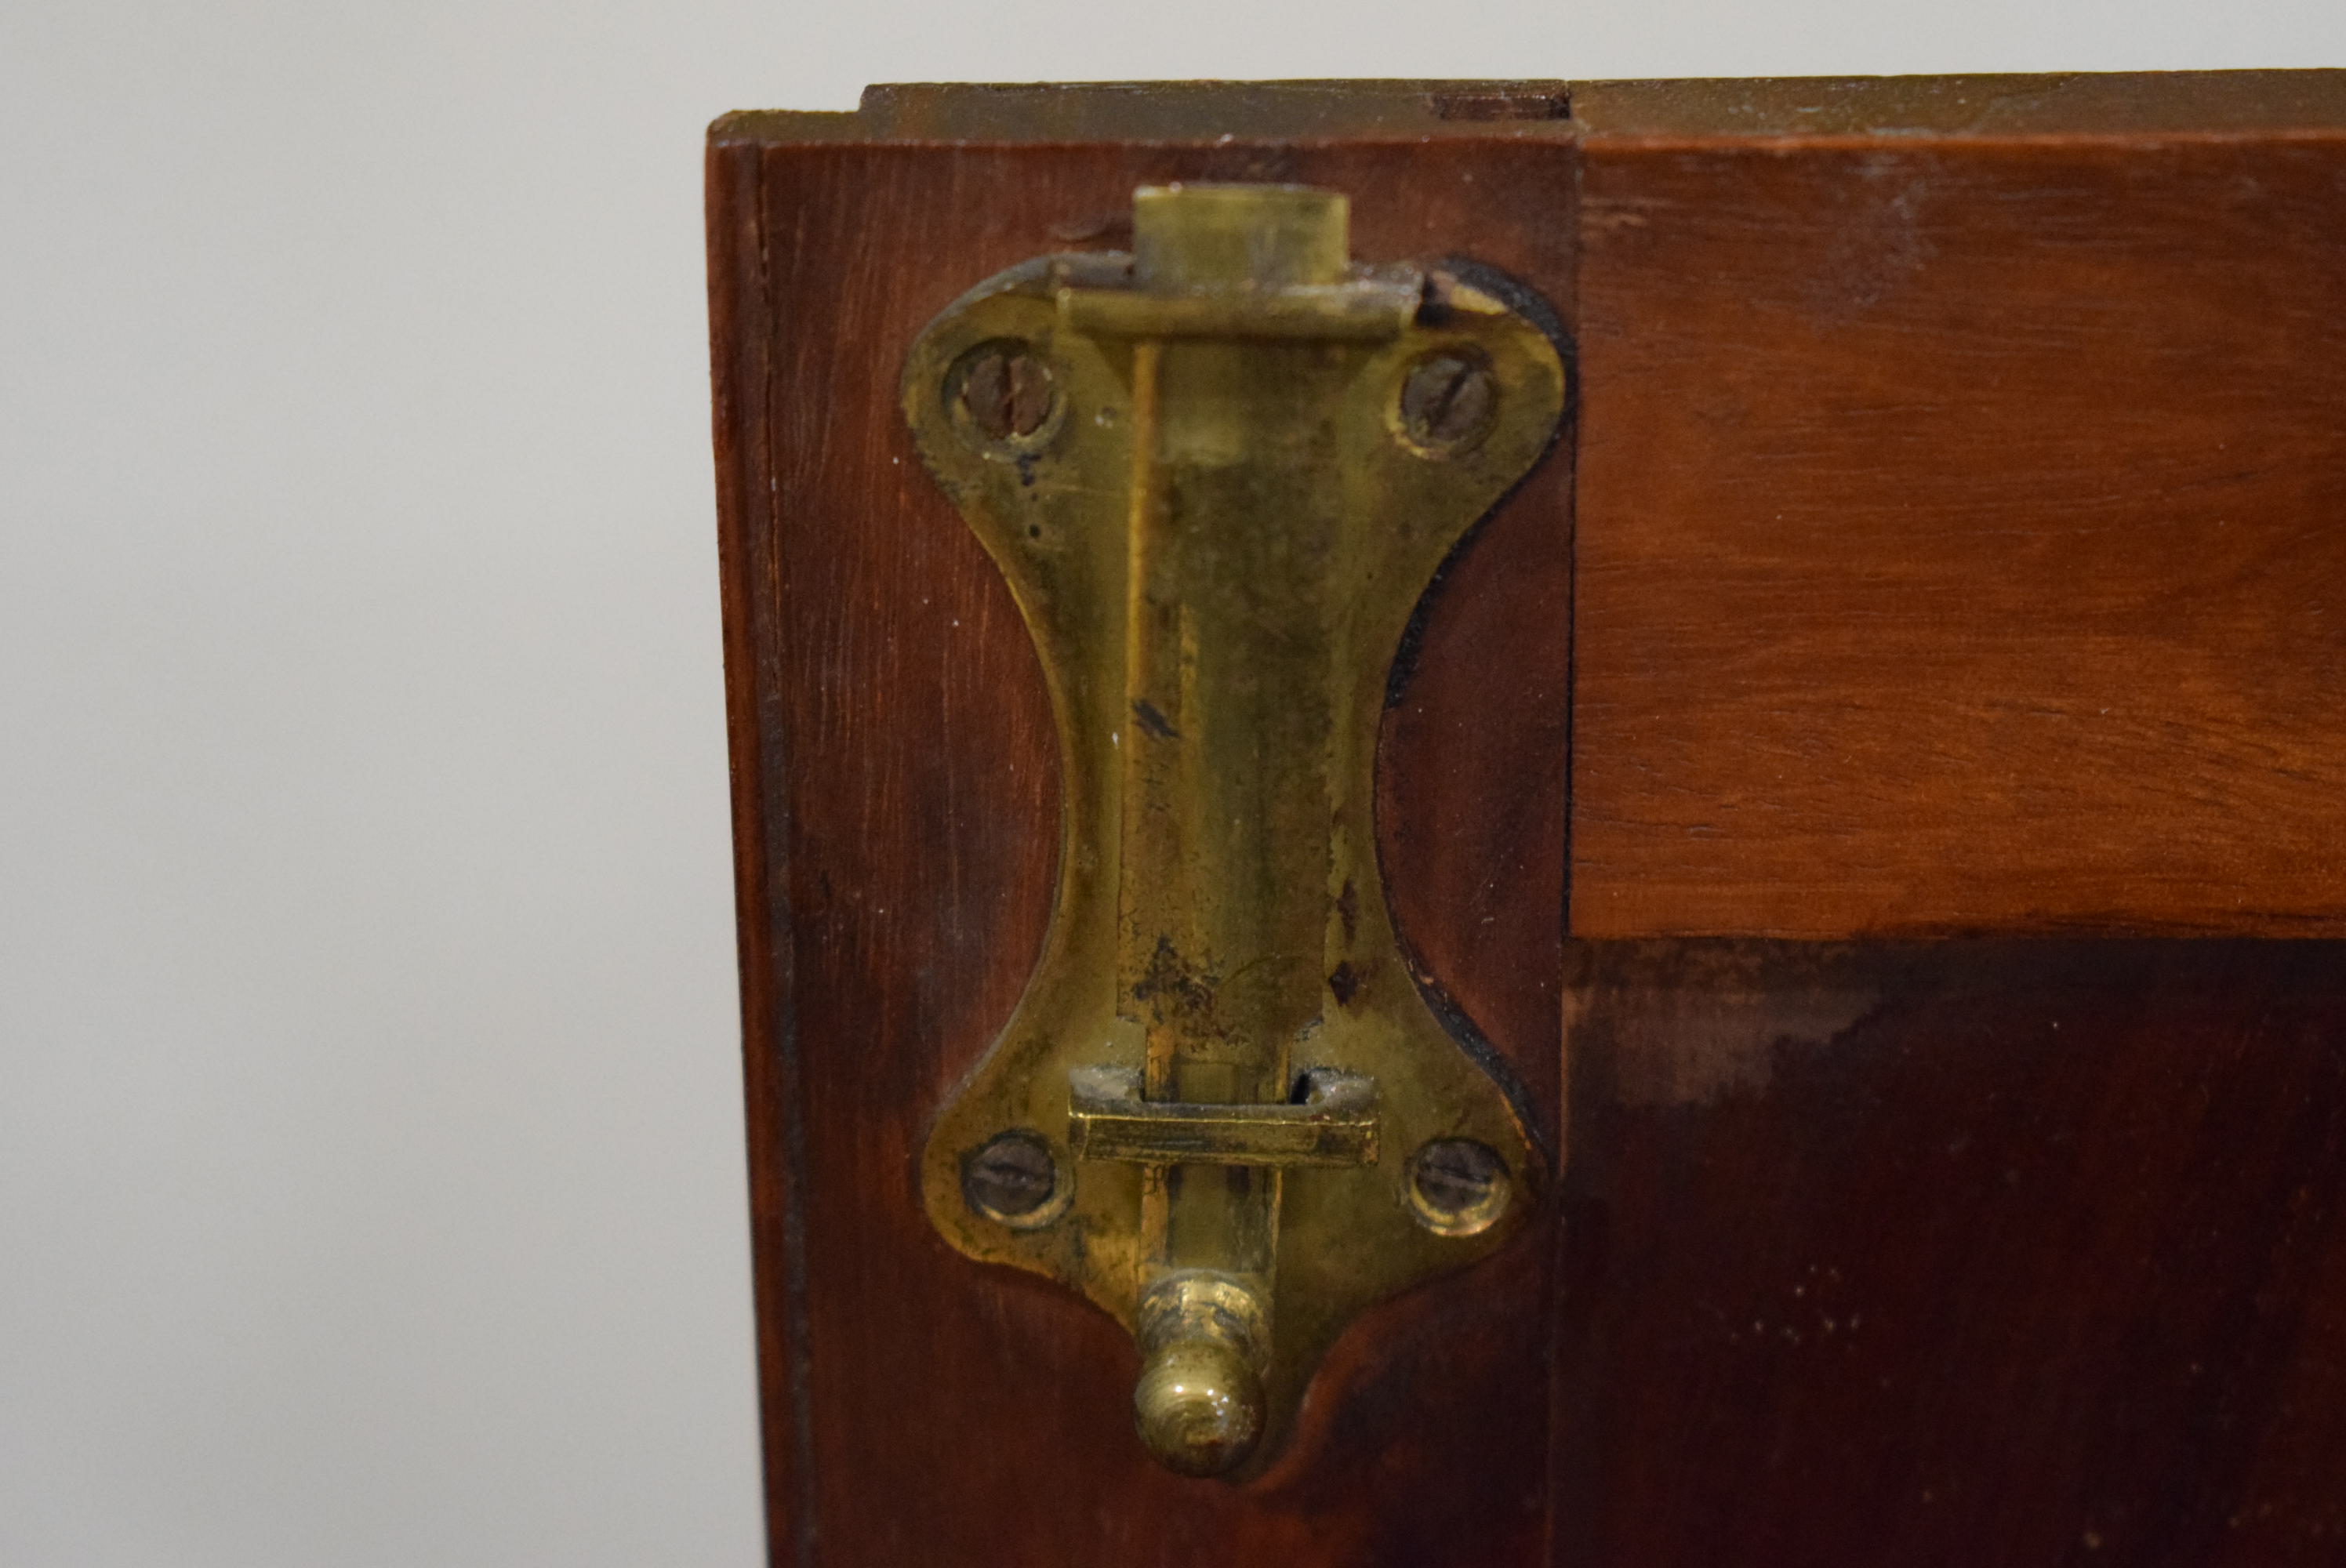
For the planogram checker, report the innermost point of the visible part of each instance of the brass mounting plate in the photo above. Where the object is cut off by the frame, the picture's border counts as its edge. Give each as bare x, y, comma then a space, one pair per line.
1217, 477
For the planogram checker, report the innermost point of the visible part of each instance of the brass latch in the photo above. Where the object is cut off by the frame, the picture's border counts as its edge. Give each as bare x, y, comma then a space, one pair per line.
1332, 1122
1217, 475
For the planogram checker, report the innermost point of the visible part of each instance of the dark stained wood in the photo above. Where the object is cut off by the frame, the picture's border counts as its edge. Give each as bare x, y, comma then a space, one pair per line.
1968, 1253
1961, 535
896, 791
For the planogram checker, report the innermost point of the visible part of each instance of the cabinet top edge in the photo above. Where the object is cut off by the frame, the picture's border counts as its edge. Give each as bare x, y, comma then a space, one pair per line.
1202, 111
2138, 102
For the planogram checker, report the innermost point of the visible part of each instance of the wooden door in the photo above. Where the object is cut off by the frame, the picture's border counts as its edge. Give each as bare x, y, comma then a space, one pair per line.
1878, 786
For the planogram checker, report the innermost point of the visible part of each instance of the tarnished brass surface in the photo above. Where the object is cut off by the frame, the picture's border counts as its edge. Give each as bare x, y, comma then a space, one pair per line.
1217, 476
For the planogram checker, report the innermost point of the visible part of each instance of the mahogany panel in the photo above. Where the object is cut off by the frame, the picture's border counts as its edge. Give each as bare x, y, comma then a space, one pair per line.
1962, 530
896, 800
1991, 1252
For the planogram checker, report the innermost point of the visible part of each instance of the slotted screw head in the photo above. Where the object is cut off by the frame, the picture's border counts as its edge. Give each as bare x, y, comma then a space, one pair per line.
1458, 1187
1005, 391
1447, 400
1011, 1178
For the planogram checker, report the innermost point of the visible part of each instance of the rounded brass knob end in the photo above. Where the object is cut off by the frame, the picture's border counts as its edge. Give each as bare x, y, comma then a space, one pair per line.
1198, 1405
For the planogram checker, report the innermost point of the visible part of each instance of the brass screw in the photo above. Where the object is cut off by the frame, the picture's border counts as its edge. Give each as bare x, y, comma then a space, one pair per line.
1011, 1178
1457, 1185
1446, 400
1006, 392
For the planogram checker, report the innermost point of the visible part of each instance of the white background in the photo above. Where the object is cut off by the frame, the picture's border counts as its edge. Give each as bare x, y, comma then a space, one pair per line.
370, 1174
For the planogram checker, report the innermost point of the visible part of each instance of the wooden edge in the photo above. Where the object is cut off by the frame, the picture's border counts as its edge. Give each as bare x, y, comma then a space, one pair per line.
740, 327
1151, 112
2116, 103
2120, 103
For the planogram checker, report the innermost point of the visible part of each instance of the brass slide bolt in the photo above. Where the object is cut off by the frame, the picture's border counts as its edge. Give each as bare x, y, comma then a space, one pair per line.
1217, 475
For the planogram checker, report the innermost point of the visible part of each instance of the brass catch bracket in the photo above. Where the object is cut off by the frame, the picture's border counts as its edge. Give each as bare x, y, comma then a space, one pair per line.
1217, 475
1334, 1123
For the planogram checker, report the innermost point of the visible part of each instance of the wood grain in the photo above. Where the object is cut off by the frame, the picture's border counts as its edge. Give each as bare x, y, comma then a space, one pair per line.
896, 800
1965, 1253
1961, 535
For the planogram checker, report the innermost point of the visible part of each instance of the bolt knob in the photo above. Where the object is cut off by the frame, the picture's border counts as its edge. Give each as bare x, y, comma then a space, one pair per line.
1198, 1405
